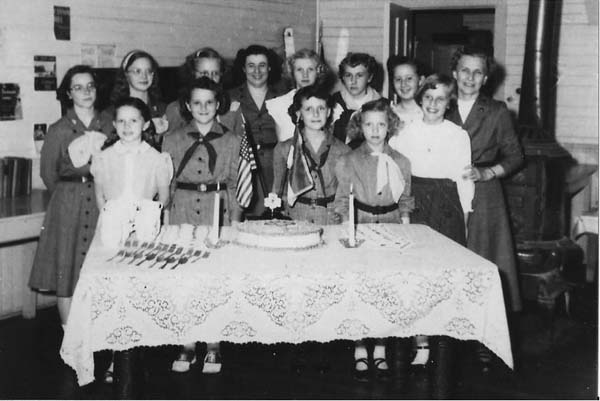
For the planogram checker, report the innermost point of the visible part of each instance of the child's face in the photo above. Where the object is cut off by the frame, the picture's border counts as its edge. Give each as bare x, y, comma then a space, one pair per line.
356, 79
305, 72
208, 67
83, 90
374, 127
314, 112
140, 74
406, 81
203, 105
257, 70
129, 124
434, 104
470, 75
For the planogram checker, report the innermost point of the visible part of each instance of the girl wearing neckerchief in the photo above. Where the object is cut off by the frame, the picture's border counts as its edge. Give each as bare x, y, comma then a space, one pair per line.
314, 147
380, 180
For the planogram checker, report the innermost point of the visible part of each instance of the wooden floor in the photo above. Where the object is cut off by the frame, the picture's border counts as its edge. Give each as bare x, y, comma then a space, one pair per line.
555, 359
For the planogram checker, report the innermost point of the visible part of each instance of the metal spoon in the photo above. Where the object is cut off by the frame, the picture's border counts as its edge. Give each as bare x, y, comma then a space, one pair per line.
172, 257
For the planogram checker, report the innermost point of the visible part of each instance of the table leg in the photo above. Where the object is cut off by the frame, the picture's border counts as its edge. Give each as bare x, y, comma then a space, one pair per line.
126, 367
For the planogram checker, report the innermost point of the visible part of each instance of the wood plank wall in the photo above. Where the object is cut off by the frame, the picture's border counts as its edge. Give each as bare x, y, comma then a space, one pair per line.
577, 105
169, 30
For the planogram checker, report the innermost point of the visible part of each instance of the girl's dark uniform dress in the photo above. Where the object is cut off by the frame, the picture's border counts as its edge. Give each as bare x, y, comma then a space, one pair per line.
316, 205
263, 136
211, 167
72, 213
339, 127
493, 141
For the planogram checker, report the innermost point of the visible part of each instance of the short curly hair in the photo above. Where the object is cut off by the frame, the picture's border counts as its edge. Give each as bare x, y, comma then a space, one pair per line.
354, 128
474, 51
273, 60
305, 93
208, 84
431, 82
354, 59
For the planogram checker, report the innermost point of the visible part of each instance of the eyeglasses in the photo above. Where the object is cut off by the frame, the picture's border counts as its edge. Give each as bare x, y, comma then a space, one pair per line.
80, 88
138, 72
210, 74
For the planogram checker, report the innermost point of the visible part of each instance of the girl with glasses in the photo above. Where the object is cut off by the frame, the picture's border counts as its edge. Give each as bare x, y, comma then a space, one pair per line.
138, 77
71, 216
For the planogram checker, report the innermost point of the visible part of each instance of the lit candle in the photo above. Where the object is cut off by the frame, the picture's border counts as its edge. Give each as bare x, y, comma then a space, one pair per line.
214, 234
351, 228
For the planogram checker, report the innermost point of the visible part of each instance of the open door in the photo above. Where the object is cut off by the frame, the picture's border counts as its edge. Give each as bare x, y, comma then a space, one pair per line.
400, 36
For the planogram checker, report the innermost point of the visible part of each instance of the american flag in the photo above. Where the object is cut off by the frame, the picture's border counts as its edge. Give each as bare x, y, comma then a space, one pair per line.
243, 192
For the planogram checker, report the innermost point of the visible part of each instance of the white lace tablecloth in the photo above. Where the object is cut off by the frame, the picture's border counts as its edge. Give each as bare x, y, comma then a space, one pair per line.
401, 281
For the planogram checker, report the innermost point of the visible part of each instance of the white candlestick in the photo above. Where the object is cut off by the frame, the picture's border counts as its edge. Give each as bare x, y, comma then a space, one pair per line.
351, 228
214, 234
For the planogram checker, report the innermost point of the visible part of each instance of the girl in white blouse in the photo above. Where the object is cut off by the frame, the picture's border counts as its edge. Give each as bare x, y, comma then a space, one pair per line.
128, 175
439, 152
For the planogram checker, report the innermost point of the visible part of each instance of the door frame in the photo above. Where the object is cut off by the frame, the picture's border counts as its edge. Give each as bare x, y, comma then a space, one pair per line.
500, 11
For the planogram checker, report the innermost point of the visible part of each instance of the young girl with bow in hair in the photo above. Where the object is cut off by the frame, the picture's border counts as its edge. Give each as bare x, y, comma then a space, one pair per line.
128, 175
379, 178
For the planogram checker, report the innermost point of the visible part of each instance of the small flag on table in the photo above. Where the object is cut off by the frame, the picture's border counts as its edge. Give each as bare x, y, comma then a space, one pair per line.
247, 164
299, 178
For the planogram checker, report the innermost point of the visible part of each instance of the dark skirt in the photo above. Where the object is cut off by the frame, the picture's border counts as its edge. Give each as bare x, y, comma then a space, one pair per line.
437, 205
65, 238
490, 237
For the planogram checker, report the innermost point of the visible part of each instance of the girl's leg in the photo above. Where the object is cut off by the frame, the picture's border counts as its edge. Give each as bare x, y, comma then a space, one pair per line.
422, 345
64, 306
379, 360
361, 361
212, 360
186, 358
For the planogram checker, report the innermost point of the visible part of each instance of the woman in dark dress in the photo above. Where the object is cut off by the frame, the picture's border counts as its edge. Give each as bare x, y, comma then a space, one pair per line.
72, 213
260, 69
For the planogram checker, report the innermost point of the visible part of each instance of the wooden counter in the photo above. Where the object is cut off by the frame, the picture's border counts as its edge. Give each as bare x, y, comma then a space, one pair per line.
21, 219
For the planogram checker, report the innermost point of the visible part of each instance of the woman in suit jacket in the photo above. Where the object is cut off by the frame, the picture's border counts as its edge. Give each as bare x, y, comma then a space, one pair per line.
495, 153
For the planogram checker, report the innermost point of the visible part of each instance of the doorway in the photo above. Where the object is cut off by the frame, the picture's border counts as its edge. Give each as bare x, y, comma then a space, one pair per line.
433, 35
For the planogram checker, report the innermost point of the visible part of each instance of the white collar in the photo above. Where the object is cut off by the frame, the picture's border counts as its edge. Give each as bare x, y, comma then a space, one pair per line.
135, 149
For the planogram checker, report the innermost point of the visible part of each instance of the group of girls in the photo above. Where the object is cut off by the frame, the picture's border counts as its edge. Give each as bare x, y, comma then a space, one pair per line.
434, 157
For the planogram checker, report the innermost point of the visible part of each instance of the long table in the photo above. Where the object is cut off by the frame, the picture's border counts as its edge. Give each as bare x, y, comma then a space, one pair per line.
401, 281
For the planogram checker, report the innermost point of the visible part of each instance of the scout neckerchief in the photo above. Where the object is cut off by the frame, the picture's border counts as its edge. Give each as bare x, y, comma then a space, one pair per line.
201, 140
317, 167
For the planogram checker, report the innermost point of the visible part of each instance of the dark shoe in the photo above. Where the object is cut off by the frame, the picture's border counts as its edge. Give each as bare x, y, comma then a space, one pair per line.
361, 375
381, 373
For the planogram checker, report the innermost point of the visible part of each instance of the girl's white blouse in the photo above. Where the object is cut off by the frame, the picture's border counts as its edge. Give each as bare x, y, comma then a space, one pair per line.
438, 151
278, 109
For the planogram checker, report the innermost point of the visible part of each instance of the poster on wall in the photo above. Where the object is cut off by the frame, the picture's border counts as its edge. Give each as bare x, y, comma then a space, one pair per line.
10, 102
62, 23
44, 70
99, 56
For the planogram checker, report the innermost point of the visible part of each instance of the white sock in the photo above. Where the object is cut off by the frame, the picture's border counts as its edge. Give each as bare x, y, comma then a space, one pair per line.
422, 355
379, 352
360, 351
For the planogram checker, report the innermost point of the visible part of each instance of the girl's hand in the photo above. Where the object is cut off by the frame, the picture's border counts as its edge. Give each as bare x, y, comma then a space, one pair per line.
336, 218
161, 124
478, 173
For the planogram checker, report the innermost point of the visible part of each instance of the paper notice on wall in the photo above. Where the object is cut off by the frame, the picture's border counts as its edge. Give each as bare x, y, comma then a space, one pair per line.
44, 73
106, 56
99, 56
62, 23
10, 102
89, 55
